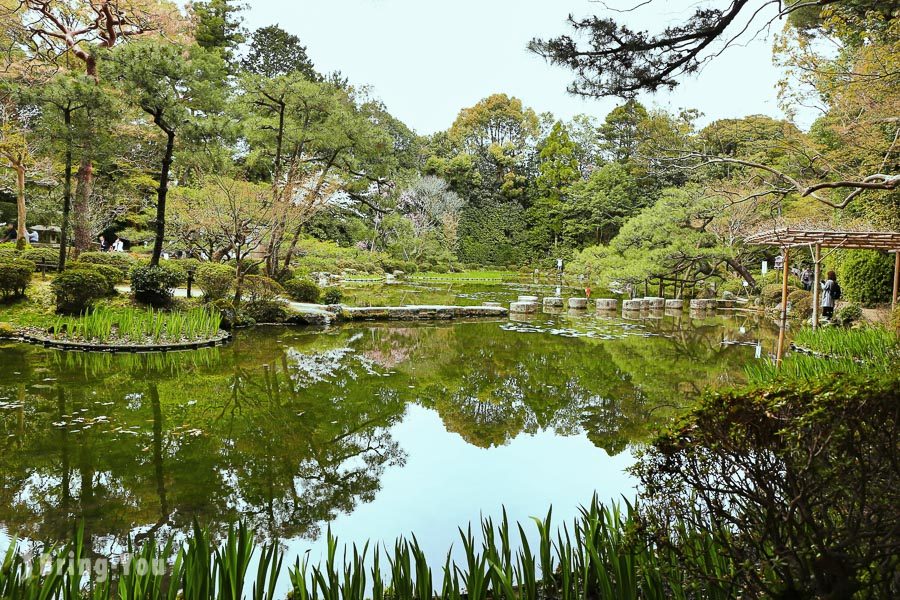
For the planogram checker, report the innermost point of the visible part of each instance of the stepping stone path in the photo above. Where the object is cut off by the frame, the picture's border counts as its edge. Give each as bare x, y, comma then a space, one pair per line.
578, 303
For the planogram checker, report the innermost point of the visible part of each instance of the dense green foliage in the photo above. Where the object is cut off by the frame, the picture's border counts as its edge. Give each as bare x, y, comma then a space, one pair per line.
866, 276
818, 457
14, 277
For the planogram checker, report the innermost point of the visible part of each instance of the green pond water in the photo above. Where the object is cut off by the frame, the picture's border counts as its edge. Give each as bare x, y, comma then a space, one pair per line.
376, 429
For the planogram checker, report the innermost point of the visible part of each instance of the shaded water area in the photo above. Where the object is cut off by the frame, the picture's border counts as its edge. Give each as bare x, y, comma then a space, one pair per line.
376, 429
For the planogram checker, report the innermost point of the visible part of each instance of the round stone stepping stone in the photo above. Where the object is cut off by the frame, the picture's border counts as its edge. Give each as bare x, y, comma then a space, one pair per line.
523, 307
607, 304
528, 298
578, 303
554, 301
632, 305
494, 304
655, 303
675, 303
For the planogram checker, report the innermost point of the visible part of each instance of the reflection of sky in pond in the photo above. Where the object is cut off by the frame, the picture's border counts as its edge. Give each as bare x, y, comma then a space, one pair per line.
379, 429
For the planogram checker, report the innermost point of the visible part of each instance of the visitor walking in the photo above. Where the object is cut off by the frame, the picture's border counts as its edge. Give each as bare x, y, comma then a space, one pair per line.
587, 292
806, 279
559, 266
831, 293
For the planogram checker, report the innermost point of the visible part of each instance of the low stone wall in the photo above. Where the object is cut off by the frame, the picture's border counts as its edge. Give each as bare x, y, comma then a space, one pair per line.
49, 342
419, 313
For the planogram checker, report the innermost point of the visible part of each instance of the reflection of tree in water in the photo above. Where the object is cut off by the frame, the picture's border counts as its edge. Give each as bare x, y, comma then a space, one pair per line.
164, 446
290, 429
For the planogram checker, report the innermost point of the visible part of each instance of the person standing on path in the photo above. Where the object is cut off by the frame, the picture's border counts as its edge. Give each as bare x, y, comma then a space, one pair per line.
831, 292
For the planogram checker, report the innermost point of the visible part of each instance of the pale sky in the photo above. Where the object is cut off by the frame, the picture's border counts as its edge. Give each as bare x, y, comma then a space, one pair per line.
427, 59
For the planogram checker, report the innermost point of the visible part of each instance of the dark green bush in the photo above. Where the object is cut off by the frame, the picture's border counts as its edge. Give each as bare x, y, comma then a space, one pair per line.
801, 307
14, 277
333, 295
77, 289
215, 279
155, 285
265, 311
866, 276
848, 314
122, 261
303, 290
801, 475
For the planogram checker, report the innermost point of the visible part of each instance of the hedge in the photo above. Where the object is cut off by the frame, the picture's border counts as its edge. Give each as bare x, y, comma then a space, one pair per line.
120, 260
866, 276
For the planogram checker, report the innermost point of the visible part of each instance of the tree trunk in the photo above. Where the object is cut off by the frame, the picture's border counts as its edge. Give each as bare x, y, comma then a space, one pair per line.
161, 193
81, 225
21, 233
67, 194
747, 275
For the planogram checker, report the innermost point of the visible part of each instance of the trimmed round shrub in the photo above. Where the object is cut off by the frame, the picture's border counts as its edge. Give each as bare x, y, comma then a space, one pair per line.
848, 314
155, 285
112, 274
120, 260
303, 290
801, 308
265, 311
48, 256
333, 295
796, 295
77, 289
14, 277
866, 276
215, 279
259, 288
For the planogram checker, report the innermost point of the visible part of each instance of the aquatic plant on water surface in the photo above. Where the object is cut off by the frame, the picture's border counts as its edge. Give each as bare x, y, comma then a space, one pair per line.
138, 327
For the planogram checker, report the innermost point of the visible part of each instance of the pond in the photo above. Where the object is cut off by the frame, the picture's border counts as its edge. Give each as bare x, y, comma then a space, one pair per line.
377, 430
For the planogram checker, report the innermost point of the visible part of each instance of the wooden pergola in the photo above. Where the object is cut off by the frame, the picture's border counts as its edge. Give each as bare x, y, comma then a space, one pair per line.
816, 239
